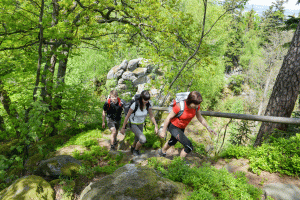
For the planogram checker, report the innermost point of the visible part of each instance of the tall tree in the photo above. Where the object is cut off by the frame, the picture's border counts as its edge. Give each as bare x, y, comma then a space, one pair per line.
285, 90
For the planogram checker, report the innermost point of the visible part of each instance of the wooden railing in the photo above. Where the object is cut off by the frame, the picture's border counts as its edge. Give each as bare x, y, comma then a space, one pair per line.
282, 120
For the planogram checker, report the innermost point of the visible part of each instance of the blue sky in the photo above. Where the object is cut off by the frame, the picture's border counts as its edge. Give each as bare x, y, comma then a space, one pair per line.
290, 5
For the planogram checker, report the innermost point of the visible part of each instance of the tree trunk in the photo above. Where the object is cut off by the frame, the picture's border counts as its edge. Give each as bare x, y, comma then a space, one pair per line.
61, 72
285, 90
2, 124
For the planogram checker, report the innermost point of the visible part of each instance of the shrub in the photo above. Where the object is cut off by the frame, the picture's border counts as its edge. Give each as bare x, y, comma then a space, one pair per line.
279, 155
207, 182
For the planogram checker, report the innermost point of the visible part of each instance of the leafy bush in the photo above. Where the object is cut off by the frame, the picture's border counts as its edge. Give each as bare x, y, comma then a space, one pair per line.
208, 182
236, 83
279, 155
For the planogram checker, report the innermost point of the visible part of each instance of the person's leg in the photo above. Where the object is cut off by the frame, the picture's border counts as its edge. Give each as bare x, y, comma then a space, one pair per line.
140, 138
188, 146
111, 125
113, 136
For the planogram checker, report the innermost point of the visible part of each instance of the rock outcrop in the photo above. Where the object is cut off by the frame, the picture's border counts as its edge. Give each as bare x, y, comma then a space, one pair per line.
59, 165
27, 188
134, 73
132, 182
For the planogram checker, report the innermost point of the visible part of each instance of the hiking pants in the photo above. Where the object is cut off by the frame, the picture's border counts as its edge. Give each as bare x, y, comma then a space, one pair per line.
137, 129
177, 134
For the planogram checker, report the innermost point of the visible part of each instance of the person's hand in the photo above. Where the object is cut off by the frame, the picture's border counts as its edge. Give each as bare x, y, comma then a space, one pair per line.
162, 134
211, 131
103, 124
122, 131
156, 129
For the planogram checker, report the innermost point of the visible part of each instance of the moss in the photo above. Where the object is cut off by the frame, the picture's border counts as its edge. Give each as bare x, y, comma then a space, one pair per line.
5, 148
106, 132
48, 144
54, 182
32, 161
70, 169
15, 171
30, 187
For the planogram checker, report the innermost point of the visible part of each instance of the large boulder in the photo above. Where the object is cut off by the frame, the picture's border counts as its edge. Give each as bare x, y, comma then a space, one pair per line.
133, 64
141, 80
59, 165
27, 188
118, 70
282, 191
132, 182
138, 72
128, 76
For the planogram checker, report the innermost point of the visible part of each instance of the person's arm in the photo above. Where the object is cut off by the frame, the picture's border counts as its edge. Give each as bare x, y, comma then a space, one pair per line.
103, 119
126, 120
166, 123
204, 122
153, 120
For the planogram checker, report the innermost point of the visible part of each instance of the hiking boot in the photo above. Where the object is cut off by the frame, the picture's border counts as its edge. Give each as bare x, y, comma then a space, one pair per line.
112, 147
131, 149
136, 152
161, 153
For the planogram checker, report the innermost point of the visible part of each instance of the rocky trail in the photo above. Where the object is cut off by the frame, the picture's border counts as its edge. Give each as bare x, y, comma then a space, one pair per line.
280, 187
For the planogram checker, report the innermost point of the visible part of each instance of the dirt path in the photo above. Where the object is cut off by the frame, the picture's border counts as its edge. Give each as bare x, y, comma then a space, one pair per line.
232, 165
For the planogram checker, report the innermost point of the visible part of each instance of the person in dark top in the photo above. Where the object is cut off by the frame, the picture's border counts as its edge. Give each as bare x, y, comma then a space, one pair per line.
112, 109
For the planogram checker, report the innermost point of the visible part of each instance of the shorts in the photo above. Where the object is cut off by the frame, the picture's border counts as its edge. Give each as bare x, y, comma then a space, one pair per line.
177, 134
113, 124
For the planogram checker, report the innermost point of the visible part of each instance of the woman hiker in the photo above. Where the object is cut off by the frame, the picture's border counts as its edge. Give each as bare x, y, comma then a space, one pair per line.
112, 109
176, 125
136, 117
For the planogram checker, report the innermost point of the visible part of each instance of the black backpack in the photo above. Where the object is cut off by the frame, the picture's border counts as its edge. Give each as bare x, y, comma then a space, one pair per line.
135, 99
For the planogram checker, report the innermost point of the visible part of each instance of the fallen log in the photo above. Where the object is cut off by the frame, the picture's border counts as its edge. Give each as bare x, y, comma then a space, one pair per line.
272, 119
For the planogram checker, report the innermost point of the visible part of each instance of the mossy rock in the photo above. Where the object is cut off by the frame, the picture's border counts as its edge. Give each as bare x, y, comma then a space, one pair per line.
59, 165
133, 182
28, 188
70, 169
54, 182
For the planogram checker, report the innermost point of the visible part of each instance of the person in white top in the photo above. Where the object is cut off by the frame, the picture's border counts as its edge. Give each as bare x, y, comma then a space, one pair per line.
137, 119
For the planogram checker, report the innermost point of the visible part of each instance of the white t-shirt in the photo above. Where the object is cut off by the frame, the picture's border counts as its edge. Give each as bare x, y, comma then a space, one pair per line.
139, 116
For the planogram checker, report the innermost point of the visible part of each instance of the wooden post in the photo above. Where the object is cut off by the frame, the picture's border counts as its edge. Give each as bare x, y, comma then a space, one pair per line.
283, 120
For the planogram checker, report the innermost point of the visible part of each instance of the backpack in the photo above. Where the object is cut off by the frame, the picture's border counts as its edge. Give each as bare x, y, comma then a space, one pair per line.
135, 99
180, 97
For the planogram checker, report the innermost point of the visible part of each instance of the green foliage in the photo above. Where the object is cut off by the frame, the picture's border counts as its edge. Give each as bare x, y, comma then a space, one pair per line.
279, 155
236, 83
240, 133
84, 138
153, 140
208, 182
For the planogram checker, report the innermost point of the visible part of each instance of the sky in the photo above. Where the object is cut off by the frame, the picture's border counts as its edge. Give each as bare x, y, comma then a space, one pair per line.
290, 5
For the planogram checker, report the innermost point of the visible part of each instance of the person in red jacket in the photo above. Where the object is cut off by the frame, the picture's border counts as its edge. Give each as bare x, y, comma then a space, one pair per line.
176, 125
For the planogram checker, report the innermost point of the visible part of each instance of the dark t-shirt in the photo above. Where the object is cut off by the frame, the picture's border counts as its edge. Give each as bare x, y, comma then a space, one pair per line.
114, 112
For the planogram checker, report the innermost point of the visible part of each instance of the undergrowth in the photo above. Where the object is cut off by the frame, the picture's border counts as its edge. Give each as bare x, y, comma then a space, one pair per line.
207, 182
277, 155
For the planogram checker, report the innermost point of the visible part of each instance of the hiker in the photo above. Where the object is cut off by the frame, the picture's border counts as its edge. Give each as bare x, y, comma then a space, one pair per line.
176, 125
112, 109
136, 120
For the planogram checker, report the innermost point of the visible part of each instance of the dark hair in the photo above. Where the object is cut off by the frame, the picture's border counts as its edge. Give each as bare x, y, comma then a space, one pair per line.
194, 97
144, 95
